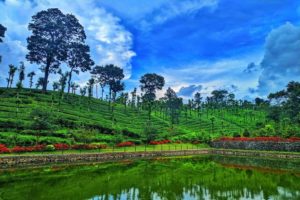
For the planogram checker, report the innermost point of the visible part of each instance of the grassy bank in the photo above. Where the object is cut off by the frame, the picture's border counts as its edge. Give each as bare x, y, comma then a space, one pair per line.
138, 148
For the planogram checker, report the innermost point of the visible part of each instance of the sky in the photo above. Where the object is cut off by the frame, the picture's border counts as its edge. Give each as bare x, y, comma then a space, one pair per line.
250, 47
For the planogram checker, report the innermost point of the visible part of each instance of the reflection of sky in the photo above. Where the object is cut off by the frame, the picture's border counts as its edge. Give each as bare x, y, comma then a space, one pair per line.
133, 194
207, 43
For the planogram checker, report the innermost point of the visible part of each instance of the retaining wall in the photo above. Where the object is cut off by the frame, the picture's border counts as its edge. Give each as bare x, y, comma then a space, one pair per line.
13, 161
258, 145
39, 160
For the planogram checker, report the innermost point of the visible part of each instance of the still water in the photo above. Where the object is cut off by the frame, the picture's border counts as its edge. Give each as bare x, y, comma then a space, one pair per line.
188, 178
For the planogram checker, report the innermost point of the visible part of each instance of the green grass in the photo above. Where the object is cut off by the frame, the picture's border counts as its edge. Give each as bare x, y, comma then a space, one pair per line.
78, 116
138, 148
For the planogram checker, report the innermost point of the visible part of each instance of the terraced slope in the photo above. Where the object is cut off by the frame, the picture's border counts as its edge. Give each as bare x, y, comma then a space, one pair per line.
81, 119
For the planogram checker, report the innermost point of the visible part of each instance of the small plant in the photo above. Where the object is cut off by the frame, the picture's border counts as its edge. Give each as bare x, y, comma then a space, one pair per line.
61, 146
125, 144
50, 147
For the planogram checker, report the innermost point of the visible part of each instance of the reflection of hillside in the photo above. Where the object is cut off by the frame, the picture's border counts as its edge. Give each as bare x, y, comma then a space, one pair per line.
270, 165
184, 178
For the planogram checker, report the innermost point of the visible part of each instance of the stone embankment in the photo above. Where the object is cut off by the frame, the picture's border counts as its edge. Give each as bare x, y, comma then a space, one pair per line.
39, 160
34, 160
258, 145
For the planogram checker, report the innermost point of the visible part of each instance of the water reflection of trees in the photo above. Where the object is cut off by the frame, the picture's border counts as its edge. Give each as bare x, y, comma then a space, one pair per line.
197, 178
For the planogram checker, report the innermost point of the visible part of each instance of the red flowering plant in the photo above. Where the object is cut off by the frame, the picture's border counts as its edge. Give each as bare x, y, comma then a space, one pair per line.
125, 144
81, 146
88, 146
39, 147
19, 149
4, 149
293, 139
61, 146
159, 142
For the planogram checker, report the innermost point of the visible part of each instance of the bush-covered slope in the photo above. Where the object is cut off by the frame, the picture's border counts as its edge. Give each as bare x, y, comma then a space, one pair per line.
76, 118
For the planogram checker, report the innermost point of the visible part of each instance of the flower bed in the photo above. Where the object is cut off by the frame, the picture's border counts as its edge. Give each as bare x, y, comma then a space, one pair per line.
42, 147
61, 146
4, 149
18, 149
125, 144
159, 142
88, 146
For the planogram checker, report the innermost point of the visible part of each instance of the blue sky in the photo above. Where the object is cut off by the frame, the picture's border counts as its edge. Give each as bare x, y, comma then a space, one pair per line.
249, 47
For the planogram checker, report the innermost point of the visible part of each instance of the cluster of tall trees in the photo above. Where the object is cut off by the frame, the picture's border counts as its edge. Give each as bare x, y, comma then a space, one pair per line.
286, 104
57, 38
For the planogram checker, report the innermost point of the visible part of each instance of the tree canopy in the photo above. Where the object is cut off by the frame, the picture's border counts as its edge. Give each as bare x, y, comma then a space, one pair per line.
149, 83
52, 34
78, 59
2, 34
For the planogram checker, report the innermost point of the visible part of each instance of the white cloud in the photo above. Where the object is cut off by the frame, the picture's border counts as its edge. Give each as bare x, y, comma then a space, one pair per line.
173, 9
222, 74
281, 62
109, 41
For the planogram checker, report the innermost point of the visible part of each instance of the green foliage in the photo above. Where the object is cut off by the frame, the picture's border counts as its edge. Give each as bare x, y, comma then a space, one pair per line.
55, 47
246, 133
41, 119
50, 147
83, 119
267, 130
150, 132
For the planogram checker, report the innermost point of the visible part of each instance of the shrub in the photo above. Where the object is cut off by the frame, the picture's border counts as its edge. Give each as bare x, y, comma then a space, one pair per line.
18, 149
159, 142
130, 134
39, 147
88, 146
53, 140
61, 146
26, 140
149, 132
125, 144
246, 133
26, 101
3, 149
236, 135
50, 147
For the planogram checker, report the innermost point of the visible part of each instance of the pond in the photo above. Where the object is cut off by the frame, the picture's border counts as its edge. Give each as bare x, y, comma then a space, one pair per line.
200, 177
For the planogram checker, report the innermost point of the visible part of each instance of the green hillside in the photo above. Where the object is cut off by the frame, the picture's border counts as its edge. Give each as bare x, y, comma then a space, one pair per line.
77, 119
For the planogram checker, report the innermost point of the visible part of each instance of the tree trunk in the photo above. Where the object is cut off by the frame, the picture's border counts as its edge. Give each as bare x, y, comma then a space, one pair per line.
11, 81
109, 100
30, 82
96, 91
8, 81
69, 81
102, 91
45, 82
149, 113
